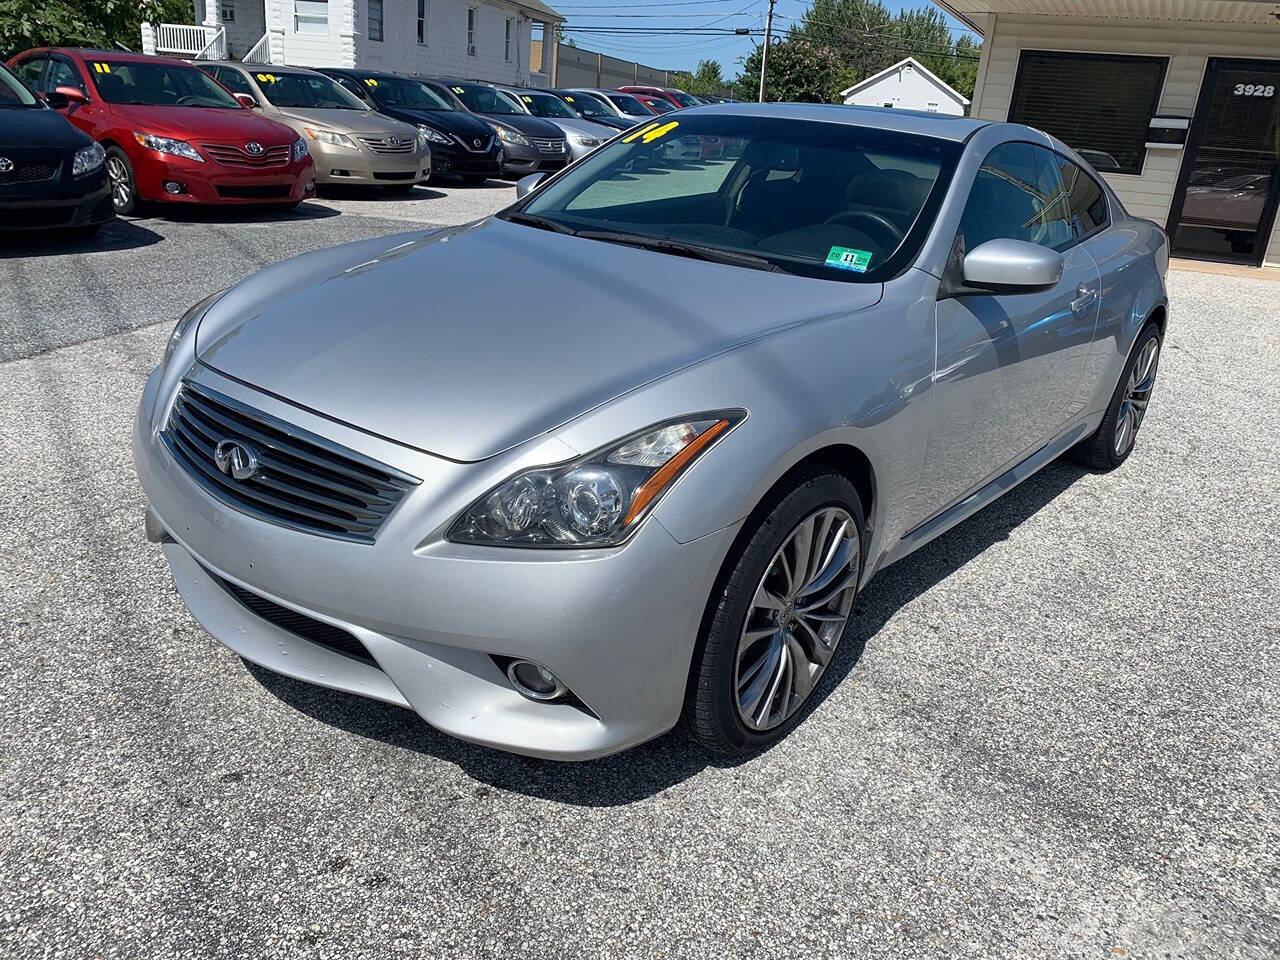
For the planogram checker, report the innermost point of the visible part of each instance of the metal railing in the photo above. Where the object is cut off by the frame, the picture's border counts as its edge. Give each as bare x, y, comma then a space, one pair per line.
181, 39
216, 48
260, 52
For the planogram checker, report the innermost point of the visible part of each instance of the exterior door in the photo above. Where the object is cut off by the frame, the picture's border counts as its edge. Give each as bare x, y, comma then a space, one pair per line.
1009, 364
1225, 202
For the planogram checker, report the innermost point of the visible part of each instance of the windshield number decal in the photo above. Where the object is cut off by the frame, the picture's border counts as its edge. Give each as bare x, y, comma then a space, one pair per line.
527, 99
100, 67
847, 258
568, 99
266, 77
458, 90
370, 82
651, 132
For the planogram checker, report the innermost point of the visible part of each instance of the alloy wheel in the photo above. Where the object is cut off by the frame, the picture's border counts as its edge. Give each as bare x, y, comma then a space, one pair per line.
797, 617
121, 187
1142, 379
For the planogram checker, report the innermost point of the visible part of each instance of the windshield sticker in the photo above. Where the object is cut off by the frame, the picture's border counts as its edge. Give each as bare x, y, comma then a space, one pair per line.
662, 131
527, 99
266, 77
568, 99
635, 135
100, 67
846, 258
370, 82
459, 90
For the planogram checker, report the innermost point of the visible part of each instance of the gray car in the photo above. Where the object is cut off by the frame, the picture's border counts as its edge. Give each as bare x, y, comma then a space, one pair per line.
582, 136
736, 390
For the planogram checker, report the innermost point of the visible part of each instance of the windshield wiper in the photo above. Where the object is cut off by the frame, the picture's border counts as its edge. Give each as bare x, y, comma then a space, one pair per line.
694, 251
542, 223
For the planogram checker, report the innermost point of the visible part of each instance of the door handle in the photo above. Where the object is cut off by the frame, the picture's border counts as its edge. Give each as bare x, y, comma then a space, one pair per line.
1085, 296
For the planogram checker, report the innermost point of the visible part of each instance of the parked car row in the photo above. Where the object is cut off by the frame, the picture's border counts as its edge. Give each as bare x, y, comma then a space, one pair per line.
160, 130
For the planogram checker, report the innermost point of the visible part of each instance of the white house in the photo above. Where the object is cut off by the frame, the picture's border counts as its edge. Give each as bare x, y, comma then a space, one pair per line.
496, 40
907, 85
1179, 98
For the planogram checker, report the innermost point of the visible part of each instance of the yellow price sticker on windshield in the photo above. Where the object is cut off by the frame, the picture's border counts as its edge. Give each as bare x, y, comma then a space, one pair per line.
459, 90
651, 131
568, 99
527, 99
266, 77
370, 82
100, 67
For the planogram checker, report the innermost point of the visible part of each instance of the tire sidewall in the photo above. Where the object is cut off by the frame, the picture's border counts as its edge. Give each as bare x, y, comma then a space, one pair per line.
734, 593
132, 206
1149, 331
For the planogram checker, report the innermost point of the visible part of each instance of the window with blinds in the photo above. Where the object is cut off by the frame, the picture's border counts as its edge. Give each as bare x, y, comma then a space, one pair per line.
1092, 102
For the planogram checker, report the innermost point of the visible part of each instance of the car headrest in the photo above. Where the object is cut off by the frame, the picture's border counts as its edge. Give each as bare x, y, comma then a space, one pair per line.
110, 86
771, 155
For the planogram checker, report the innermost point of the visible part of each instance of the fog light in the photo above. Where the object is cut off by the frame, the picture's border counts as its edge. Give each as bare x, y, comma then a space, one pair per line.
311, 185
172, 186
339, 172
535, 681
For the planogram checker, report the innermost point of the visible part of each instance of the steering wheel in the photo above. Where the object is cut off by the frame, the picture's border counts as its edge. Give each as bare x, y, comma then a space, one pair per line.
185, 101
881, 224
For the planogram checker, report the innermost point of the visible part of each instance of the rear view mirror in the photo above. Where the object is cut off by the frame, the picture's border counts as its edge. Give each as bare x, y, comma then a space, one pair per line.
525, 185
1012, 264
246, 100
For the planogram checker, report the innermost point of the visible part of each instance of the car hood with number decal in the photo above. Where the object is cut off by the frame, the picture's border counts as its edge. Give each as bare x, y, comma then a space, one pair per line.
303, 329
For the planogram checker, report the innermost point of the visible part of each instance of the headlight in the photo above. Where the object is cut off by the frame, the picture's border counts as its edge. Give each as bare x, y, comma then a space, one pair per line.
585, 141
188, 319
595, 501
88, 159
506, 135
432, 134
174, 148
300, 148
324, 136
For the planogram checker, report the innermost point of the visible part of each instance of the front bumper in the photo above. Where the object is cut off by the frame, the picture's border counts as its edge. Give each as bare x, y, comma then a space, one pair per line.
521, 160
617, 625
364, 167
212, 182
59, 204
454, 160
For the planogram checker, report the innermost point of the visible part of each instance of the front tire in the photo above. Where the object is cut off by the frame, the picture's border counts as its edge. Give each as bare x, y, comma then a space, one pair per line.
124, 188
780, 608
1111, 444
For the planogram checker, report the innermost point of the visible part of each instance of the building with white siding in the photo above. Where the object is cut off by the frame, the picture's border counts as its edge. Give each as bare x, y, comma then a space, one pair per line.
496, 40
1179, 98
907, 85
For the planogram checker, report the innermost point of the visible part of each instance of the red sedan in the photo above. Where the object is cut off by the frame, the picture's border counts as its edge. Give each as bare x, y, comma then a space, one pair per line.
172, 134
677, 98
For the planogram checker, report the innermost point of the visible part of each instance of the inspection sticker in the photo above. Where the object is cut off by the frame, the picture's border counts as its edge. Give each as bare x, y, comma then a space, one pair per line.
846, 258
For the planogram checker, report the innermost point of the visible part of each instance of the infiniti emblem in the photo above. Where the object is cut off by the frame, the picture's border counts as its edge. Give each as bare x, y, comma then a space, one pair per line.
253, 148
6, 165
236, 460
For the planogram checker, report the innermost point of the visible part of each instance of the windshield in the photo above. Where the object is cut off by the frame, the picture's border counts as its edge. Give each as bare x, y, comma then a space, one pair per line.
13, 93
684, 99
630, 105
480, 99
405, 94
828, 200
158, 85
658, 105
306, 90
545, 105
587, 105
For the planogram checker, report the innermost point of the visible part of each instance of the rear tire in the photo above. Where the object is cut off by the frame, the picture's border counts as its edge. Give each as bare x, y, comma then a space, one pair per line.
124, 187
746, 636
1113, 441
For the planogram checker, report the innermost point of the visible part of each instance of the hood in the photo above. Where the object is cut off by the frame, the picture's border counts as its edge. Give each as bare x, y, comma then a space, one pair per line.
33, 127
410, 338
450, 121
204, 123
529, 126
585, 128
366, 122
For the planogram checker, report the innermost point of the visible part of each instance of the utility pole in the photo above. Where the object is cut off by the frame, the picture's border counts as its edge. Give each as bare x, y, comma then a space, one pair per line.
764, 54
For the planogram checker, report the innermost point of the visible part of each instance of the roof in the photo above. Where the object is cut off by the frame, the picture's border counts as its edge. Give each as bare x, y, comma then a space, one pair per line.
973, 13
538, 7
915, 64
939, 125
119, 56
255, 67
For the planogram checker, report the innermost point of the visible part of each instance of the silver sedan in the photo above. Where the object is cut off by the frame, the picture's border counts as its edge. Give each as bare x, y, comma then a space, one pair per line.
761, 353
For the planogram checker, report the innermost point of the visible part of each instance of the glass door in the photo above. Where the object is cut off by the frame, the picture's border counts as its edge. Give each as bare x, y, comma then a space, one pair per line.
1225, 202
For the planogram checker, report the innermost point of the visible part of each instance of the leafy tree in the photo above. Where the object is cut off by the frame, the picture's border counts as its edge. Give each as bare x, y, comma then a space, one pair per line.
799, 72
706, 79
100, 23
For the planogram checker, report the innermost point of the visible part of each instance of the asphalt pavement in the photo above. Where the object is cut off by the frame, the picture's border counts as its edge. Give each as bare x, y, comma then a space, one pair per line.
1053, 732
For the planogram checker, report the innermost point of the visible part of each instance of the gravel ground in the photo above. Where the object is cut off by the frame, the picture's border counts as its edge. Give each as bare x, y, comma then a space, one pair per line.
1053, 735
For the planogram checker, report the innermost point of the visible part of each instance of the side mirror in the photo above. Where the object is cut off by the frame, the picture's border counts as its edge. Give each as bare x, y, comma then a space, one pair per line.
62, 97
1012, 264
246, 100
525, 185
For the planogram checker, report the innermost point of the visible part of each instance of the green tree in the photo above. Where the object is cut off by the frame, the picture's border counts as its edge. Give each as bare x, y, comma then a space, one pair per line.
706, 79
799, 72
100, 23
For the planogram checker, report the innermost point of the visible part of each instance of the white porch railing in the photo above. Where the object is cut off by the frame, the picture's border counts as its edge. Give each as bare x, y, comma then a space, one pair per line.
260, 52
196, 41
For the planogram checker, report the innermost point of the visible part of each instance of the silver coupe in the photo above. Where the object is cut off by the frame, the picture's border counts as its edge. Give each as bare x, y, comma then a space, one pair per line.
759, 353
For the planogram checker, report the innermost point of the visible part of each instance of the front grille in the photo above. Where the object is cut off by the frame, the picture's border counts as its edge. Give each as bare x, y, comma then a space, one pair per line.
302, 481
31, 172
470, 143
392, 175
271, 191
380, 145
233, 156
548, 146
299, 624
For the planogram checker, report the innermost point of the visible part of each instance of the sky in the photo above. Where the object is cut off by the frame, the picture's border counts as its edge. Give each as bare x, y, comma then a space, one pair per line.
676, 52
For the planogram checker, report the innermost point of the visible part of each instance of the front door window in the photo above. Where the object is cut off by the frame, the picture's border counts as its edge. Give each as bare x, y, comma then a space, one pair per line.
1231, 172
